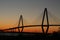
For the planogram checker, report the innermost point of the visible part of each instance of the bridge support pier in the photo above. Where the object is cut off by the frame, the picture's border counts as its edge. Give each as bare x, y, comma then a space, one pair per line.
20, 19
45, 13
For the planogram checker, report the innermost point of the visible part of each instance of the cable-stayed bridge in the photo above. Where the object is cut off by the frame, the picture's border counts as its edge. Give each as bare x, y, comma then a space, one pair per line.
42, 25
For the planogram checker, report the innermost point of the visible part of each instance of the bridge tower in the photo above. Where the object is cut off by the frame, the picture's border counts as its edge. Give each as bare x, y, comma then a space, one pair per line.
20, 20
45, 14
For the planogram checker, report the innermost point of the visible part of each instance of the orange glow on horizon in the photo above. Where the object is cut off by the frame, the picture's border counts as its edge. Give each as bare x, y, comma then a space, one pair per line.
35, 29
30, 29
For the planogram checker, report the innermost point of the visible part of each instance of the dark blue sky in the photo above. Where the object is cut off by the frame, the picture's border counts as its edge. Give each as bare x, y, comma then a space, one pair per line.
30, 9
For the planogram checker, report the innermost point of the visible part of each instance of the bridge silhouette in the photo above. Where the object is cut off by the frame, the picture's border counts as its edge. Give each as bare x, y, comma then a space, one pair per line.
42, 25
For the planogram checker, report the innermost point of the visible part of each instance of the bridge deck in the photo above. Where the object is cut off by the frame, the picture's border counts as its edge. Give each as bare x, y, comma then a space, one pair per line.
31, 26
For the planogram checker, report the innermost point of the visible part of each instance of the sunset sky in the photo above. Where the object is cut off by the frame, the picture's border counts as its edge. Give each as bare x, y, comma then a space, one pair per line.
32, 11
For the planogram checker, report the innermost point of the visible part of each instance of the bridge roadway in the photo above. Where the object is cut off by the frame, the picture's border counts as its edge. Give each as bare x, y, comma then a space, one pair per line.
30, 26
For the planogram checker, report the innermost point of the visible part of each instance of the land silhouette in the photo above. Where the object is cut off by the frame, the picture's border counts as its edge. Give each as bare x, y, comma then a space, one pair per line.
29, 35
